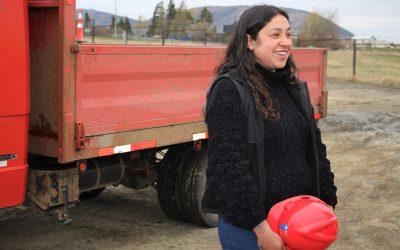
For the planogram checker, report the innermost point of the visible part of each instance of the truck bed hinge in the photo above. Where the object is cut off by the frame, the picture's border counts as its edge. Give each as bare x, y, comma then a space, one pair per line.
75, 48
80, 136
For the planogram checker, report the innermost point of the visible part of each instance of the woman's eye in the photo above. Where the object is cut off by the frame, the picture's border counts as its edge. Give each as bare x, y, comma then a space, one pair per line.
289, 35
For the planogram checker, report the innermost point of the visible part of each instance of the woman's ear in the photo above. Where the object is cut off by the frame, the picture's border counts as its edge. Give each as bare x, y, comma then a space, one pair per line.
250, 42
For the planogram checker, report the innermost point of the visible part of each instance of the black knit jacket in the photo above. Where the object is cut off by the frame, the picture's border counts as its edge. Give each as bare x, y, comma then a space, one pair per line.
287, 168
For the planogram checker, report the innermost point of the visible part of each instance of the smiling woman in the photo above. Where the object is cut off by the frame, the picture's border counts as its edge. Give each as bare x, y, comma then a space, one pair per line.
273, 43
264, 145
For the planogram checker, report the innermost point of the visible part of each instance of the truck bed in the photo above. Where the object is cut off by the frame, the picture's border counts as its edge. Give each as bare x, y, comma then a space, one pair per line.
144, 96
91, 100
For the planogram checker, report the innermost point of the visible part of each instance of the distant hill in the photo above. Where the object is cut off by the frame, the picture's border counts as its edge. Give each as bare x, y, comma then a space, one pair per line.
103, 18
224, 15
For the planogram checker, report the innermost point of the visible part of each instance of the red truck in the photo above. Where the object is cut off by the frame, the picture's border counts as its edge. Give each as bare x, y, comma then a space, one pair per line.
14, 101
102, 115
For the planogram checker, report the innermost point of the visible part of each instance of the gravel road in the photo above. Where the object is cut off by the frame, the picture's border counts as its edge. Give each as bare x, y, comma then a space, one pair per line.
362, 133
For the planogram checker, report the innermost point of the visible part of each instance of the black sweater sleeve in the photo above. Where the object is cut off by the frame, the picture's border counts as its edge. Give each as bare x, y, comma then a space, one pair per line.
237, 196
326, 177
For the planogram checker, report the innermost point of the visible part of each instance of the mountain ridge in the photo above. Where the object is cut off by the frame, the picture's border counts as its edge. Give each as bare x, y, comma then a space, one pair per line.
224, 15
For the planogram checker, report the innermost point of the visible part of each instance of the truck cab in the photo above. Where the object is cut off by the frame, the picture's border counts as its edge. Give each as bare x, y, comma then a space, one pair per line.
14, 102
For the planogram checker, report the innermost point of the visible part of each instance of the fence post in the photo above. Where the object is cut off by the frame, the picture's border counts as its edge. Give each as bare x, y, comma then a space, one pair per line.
205, 37
115, 28
163, 38
354, 57
93, 30
124, 37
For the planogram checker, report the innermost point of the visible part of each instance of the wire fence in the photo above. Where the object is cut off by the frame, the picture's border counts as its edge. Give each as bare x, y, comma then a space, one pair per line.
114, 34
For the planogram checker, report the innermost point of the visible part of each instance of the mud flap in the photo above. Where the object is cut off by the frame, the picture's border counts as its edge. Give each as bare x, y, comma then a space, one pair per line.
47, 187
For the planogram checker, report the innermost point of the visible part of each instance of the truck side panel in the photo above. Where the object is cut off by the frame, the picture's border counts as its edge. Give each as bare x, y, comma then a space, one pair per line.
129, 88
44, 54
52, 32
312, 65
161, 86
126, 95
96, 100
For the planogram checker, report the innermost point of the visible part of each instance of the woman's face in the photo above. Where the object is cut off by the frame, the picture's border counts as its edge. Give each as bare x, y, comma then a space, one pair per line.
273, 43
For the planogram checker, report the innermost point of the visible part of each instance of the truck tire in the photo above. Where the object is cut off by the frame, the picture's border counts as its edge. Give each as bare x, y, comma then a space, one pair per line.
168, 176
191, 189
91, 194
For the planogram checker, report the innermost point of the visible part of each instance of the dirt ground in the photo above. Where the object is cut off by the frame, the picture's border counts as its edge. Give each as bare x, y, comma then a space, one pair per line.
362, 133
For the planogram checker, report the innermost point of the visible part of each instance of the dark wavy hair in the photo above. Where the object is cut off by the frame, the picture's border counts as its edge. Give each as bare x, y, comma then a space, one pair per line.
240, 57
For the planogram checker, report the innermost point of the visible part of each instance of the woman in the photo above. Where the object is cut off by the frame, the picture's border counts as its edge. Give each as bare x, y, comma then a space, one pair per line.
244, 182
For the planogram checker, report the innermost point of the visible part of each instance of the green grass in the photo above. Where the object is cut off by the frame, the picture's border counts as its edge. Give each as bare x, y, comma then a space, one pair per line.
374, 66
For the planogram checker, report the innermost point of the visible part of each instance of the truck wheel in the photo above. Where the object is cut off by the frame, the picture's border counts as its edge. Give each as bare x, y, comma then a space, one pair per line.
192, 187
91, 194
168, 181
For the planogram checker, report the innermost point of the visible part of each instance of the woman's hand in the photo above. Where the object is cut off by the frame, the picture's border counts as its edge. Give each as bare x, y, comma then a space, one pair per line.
268, 239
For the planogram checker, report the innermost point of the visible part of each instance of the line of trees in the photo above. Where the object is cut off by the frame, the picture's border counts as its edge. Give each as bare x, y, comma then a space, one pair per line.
123, 24
319, 29
178, 22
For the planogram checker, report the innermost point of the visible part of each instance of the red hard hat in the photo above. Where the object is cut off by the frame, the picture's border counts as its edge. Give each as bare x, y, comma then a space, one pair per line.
304, 223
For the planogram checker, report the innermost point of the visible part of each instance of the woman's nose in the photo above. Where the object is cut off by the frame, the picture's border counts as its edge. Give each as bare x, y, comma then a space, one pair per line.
285, 41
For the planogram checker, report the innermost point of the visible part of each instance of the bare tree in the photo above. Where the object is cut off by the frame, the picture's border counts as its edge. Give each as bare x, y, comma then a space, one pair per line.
203, 27
171, 13
320, 29
141, 26
87, 20
157, 26
180, 25
206, 16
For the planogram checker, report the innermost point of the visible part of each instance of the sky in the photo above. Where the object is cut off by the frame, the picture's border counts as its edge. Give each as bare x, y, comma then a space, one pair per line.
361, 17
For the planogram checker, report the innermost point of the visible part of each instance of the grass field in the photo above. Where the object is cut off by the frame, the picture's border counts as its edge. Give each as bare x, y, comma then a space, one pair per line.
150, 41
374, 66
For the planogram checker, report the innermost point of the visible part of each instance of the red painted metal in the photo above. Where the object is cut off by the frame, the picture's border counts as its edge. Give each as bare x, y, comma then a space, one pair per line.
14, 100
66, 81
14, 140
44, 41
43, 3
122, 95
80, 135
143, 145
121, 88
160, 85
106, 151
312, 64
